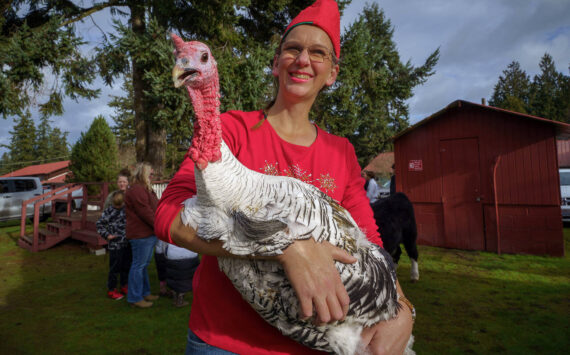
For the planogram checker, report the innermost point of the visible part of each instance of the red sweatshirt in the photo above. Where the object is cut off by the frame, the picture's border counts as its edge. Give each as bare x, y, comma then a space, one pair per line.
219, 315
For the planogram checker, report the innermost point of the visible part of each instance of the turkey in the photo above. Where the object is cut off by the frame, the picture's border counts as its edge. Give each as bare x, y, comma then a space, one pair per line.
257, 214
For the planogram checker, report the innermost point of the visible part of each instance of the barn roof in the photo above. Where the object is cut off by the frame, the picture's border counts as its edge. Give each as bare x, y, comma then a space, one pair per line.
43, 170
382, 163
562, 129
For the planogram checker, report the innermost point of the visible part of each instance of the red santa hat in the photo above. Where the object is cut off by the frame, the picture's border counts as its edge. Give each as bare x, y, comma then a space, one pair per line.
323, 14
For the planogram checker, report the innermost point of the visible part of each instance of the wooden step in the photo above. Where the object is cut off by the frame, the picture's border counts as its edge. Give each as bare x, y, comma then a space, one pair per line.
28, 239
59, 229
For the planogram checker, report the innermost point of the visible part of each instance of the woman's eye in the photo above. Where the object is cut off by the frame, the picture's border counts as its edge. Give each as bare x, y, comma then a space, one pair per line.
293, 49
320, 52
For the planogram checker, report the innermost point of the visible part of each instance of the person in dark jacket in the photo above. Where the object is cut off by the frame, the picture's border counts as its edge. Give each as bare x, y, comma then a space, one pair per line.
140, 203
111, 226
181, 264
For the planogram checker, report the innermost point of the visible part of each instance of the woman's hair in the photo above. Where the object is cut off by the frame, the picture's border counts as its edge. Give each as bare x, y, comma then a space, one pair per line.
142, 175
370, 174
118, 199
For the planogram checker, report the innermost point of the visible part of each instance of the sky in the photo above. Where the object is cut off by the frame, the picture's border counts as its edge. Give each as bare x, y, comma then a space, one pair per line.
477, 39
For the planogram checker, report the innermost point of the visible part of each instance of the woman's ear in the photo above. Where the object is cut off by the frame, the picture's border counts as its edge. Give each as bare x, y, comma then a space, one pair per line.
334, 73
275, 69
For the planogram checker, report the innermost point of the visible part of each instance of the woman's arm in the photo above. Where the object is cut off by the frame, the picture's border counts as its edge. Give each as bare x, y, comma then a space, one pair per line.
309, 267
390, 337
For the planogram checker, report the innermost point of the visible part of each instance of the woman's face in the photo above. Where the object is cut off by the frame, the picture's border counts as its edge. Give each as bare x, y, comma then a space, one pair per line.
300, 76
122, 183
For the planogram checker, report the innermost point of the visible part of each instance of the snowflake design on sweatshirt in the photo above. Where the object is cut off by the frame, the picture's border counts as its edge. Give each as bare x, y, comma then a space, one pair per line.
298, 173
270, 169
325, 182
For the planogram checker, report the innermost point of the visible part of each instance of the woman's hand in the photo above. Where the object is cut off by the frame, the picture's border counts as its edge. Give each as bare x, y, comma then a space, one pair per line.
311, 270
390, 337
110, 237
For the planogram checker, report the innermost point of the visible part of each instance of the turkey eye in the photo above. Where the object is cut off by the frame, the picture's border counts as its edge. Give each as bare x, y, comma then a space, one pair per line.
204, 58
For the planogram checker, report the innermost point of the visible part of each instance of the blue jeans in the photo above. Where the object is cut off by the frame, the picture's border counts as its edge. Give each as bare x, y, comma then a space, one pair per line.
139, 285
196, 346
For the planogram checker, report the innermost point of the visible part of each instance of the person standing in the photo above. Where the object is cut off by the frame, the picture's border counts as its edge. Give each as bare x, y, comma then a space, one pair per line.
122, 185
372, 189
393, 180
279, 140
140, 203
111, 227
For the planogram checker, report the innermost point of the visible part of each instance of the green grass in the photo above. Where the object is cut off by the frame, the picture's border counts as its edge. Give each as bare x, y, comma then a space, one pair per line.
53, 302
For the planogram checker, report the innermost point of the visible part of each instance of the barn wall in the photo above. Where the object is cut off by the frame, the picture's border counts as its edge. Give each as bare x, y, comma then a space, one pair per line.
563, 148
527, 178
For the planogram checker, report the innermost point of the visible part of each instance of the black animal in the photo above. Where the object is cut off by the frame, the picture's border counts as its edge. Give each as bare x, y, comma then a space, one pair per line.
396, 223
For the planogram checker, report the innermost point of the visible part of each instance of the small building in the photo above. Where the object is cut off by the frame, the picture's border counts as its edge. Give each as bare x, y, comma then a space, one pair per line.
381, 165
50, 173
471, 167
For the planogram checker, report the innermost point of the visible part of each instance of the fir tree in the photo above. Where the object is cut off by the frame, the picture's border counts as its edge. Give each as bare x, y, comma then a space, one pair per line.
37, 40
512, 90
94, 157
547, 91
22, 145
367, 104
58, 147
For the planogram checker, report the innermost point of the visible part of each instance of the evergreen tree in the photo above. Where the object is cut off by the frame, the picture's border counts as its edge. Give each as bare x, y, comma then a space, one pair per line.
58, 146
43, 139
94, 157
547, 92
22, 145
5, 166
37, 40
512, 90
367, 104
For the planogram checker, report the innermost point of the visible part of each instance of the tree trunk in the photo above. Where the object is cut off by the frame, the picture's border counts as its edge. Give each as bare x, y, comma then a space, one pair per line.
150, 141
138, 27
156, 150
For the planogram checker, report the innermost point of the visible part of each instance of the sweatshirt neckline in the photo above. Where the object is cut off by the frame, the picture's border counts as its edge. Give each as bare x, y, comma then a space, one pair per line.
289, 144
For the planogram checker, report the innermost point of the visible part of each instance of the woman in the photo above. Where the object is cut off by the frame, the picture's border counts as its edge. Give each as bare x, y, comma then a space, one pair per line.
282, 140
122, 185
140, 205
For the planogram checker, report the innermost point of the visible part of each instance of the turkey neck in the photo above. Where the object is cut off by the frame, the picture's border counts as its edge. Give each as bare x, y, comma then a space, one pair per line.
207, 136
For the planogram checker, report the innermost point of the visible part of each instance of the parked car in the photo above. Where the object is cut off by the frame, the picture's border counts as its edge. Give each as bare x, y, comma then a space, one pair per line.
565, 193
15, 190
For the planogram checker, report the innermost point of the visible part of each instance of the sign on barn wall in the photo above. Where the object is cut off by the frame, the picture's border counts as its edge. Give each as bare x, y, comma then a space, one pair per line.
415, 165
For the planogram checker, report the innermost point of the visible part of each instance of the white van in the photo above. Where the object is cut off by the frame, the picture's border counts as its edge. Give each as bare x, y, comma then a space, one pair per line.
565, 193
15, 190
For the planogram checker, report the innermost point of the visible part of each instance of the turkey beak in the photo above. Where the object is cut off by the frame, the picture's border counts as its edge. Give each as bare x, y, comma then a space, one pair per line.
176, 72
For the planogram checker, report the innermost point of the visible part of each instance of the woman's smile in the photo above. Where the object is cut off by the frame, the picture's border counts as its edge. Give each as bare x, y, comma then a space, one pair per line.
300, 77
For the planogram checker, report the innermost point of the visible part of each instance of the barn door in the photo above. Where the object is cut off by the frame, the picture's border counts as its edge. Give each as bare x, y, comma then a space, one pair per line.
462, 210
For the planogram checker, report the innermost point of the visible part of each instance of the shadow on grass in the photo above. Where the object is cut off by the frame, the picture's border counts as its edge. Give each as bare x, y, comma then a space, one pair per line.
55, 302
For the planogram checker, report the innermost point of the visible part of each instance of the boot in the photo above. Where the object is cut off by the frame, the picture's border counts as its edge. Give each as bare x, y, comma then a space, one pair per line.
142, 304
179, 301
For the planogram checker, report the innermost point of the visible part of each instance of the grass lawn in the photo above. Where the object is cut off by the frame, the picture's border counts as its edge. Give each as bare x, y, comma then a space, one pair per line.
53, 302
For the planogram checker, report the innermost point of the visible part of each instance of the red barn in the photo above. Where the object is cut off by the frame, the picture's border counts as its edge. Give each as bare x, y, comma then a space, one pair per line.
469, 165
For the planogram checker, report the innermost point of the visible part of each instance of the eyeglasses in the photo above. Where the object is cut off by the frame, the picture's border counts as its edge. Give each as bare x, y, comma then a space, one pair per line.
317, 54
